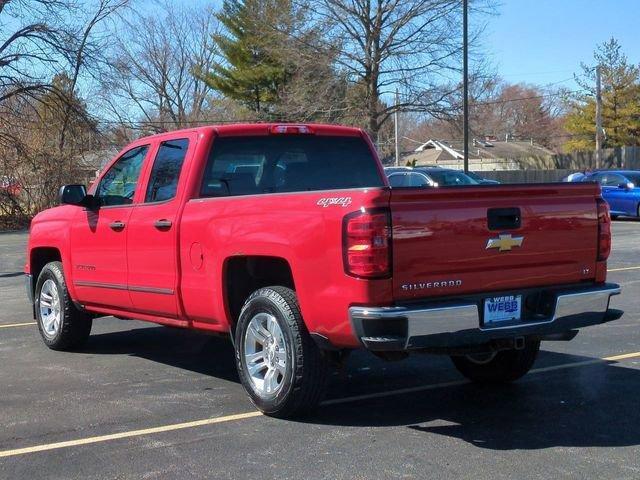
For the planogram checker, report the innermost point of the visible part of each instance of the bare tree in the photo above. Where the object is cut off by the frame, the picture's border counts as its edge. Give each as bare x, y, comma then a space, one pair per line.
413, 45
47, 48
33, 42
87, 52
151, 80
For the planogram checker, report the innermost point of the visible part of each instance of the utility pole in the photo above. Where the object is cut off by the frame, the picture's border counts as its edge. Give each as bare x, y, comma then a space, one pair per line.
465, 84
395, 125
598, 118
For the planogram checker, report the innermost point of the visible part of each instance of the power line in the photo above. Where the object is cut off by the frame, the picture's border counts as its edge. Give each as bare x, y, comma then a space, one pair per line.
279, 117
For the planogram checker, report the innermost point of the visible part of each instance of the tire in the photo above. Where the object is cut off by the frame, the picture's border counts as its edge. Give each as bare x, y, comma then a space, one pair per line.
64, 327
501, 367
292, 389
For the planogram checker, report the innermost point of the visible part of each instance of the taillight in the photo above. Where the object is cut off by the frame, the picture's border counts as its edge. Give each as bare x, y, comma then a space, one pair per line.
604, 230
367, 244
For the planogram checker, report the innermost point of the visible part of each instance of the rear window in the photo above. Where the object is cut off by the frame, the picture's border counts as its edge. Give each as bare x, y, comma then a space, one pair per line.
272, 164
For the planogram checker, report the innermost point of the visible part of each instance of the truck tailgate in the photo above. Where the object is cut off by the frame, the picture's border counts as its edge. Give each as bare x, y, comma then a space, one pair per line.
462, 240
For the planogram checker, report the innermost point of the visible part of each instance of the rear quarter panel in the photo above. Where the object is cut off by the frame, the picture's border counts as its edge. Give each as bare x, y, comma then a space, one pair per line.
305, 229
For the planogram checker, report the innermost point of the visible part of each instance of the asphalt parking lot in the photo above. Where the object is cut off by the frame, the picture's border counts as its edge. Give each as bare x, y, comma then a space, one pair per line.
144, 401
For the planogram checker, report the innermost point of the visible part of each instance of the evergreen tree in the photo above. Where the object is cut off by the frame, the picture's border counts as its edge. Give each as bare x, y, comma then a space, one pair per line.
253, 72
620, 102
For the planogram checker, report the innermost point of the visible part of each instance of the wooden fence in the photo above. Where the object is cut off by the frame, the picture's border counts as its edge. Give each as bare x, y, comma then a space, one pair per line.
527, 176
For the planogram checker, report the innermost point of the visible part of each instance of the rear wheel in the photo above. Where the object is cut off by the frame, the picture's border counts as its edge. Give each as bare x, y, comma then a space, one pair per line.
280, 366
498, 367
62, 326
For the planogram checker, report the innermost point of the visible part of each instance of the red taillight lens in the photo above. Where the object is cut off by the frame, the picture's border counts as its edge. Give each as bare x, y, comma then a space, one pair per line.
291, 130
604, 230
367, 244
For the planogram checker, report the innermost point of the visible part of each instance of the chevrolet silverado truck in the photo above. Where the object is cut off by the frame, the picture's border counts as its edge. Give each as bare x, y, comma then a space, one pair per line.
288, 239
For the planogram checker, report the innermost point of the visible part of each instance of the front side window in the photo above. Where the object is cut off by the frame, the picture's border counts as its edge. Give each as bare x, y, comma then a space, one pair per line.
282, 163
408, 179
398, 180
612, 180
118, 185
418, 180
633, 178
165, 173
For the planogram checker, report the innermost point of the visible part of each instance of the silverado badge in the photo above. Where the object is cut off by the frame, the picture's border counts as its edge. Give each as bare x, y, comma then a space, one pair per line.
504, 242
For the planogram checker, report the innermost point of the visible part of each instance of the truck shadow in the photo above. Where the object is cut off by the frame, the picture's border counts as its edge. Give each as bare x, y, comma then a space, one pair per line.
593, 405
186, 349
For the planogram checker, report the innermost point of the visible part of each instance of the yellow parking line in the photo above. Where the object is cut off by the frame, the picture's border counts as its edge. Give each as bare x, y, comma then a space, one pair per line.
11, 325
623, 356
623, 268
243, 416
132, 433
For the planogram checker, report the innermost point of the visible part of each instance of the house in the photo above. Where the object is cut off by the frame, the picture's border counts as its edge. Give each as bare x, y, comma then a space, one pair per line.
487, 154
92, 163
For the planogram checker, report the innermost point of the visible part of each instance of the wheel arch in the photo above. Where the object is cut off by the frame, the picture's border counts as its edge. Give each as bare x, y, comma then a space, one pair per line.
39, 257
243, 275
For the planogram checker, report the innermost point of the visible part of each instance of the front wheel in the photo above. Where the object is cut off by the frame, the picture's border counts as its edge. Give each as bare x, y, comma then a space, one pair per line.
280, 366
62, 326
498, 367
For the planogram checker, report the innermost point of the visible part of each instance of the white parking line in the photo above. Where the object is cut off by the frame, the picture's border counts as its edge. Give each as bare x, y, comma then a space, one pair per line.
247, 415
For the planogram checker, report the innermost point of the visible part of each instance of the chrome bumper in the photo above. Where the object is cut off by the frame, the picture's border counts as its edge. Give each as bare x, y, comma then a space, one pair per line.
454, 324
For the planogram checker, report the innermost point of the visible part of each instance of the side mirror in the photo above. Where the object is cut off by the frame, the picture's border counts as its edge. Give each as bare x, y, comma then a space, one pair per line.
626, 185
76, 195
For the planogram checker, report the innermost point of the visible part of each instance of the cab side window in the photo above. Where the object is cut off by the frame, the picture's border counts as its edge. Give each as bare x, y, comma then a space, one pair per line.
165, 173
118, 185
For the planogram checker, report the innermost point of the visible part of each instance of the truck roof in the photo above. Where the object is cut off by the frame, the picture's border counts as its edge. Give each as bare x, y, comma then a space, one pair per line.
237, 129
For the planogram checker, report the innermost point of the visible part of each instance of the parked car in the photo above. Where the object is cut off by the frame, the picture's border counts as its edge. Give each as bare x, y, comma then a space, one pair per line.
312, 255
389, 170
427, 177
620, 189
575, 177
481, 180
9, 186
447, 177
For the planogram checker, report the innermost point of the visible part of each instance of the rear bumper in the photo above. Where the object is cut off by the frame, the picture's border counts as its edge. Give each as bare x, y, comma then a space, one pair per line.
459, 323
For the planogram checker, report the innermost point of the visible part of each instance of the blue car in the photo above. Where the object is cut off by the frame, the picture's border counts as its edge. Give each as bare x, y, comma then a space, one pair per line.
621, 190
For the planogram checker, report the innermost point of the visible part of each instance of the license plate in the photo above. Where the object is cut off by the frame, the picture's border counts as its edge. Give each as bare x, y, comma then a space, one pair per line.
502, 309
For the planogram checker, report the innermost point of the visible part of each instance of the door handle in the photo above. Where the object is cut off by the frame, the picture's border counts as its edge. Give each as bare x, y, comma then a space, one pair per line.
117, 225
504, 218
163, 223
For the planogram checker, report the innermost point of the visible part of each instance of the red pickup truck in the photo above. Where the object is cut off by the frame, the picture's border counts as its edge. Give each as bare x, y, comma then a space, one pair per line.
288, 239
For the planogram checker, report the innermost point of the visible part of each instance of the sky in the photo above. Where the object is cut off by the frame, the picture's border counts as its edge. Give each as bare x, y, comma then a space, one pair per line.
544, 41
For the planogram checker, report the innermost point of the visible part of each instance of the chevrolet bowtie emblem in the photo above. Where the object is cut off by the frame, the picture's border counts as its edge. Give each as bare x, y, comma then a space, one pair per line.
504, 243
